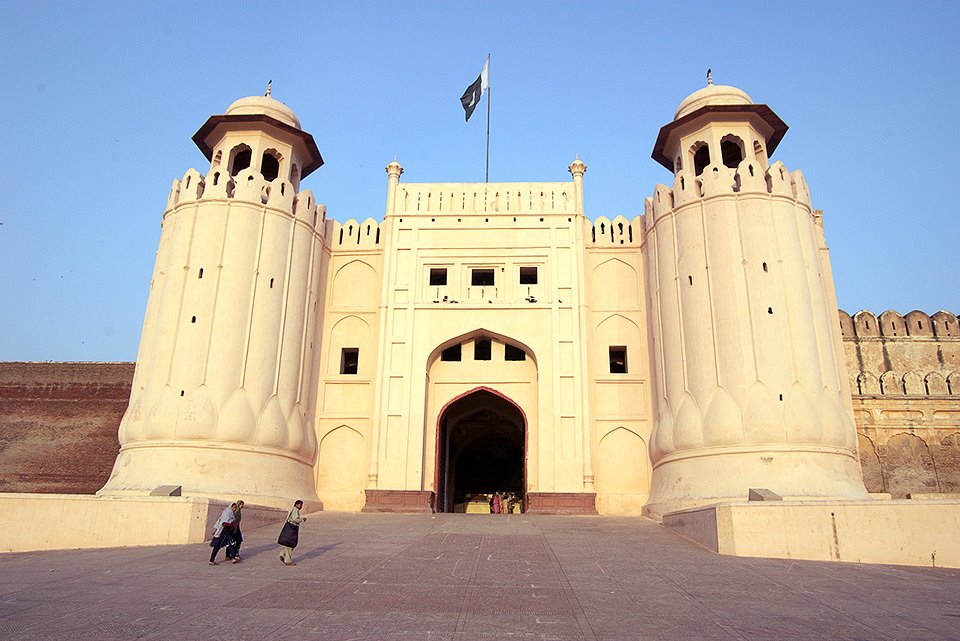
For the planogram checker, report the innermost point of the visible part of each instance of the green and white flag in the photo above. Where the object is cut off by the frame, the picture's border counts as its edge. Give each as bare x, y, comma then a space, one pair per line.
471, 97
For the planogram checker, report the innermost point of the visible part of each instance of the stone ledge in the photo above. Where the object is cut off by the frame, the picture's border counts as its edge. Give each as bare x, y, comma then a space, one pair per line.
899, 532
401, 501
562, 503
71, 521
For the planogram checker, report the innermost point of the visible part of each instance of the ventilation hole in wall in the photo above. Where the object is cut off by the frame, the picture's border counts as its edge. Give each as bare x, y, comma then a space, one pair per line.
216, 178
781, 397
377, 239
764, 267
541, 220
283, 189
569, 220
182, 392
514, 219
187, 186
193, 319
769, 310
486, 220
271, 283
630, 232
593, 234
866, 324
919, 325
602, 229
368, 230
401, 220
341, 235
459, 220
433, 220
750, 167
682, 183
200, 275
690, 278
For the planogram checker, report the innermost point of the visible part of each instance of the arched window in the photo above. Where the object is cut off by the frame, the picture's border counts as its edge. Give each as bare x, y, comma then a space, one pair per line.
270, 165
701, 157
240, 157
731, 151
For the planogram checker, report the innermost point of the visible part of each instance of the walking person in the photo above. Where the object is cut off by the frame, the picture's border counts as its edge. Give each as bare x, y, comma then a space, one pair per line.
290, 534
236, 537
222, 531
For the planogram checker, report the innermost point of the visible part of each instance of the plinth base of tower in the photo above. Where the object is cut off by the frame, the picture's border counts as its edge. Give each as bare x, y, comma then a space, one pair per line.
256, 475
725, 474
73, 521
900, 532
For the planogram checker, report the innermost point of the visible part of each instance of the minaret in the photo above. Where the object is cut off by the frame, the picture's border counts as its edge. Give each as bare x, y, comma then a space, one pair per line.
221, 393
749, 380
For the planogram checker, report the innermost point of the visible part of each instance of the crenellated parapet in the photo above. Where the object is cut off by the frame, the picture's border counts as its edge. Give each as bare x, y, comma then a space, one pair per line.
467, 198
749, 178
620, 231
893, 355
248, 186
352, 235
890, 324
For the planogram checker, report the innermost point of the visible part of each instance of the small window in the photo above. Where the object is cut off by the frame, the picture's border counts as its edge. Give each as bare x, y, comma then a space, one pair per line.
618, 360
481, 350
481, 278
511, 353
528, 275
438, 276
349, 359
452, 353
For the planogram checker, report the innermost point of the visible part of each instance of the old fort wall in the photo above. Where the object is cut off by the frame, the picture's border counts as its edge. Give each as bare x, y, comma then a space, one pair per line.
58, 424
58, 421
905, 381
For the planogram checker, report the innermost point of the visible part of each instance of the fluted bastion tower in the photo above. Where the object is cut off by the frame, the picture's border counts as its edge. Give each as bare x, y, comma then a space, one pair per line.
745, 350
221, 396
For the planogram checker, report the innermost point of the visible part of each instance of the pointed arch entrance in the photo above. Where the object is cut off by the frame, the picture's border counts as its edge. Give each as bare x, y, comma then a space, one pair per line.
481, 448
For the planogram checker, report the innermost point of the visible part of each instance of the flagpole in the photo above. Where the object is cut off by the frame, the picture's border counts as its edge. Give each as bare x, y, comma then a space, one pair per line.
489, 90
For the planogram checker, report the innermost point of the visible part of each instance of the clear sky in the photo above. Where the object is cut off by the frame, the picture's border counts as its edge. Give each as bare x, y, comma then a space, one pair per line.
100, 99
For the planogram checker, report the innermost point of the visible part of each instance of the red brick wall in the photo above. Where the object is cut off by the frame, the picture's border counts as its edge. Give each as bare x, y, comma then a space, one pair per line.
58, 424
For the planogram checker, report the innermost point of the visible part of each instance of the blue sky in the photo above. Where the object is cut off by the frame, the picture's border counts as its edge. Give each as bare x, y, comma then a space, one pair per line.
100, 101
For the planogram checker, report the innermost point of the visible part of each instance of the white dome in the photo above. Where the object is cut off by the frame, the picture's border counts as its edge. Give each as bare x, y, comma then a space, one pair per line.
266, 106
712, 95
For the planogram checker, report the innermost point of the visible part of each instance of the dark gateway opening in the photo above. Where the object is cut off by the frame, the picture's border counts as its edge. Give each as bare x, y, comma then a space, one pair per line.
481, 450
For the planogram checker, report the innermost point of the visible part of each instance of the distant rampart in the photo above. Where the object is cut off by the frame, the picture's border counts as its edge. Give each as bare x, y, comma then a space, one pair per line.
905, 381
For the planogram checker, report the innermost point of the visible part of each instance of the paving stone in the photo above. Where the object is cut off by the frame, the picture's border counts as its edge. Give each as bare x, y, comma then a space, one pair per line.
464, 578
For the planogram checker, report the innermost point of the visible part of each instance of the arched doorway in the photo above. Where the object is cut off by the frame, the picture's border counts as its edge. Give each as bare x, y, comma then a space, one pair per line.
481, 448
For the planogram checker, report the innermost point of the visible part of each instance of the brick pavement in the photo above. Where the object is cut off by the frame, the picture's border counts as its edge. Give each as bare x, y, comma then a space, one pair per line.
468, 578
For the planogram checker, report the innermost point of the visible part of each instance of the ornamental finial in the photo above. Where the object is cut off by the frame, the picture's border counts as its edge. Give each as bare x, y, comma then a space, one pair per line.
269, 83
709, 77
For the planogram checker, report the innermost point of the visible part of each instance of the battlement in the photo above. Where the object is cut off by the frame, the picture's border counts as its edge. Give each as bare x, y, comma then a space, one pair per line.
247, 186
890, 324
479, 198
353, 235
616, 232
719, 180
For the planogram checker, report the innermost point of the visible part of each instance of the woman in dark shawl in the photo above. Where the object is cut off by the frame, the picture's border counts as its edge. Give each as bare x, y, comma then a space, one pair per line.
223, 531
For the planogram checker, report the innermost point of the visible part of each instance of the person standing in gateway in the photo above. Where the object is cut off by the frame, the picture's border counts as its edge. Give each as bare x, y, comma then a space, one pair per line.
290, 534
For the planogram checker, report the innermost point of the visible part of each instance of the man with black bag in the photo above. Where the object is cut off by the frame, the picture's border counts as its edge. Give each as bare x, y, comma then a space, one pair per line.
290, 534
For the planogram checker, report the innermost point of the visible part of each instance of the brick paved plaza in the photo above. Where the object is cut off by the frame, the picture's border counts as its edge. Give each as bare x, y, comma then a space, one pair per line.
467, 577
